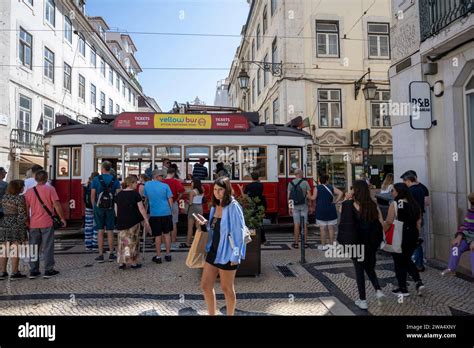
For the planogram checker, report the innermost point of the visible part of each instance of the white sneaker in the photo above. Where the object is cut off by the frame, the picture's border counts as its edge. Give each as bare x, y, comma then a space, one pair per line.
362, 304
448, 272
381, 298
323, 247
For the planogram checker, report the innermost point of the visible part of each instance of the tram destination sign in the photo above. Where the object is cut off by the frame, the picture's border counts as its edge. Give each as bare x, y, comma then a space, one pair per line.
136, 120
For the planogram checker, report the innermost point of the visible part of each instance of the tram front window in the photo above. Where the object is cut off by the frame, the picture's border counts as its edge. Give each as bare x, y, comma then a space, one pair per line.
172, 154
137, 160
197, 155
254, 160
231, 157
112, 154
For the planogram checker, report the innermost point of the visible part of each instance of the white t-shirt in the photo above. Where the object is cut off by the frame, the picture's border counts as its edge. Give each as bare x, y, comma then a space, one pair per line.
30, 183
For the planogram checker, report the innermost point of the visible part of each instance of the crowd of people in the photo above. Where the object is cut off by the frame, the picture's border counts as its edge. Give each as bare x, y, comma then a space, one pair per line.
150, 204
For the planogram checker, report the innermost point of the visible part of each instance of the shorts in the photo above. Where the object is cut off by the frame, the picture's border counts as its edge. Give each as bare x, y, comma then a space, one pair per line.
161, 225
297, 211
104, 219
326, 223
210, 259
175, 213
196, 209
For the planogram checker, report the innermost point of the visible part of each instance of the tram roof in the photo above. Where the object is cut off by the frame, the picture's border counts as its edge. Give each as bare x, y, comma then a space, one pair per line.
254, 130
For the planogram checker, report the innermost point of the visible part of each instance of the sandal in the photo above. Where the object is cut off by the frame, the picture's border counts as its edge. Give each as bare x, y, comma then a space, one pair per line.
295, 245
184, 246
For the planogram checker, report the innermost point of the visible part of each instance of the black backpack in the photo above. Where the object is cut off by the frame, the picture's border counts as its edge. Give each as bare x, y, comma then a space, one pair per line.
106, 197
296, 194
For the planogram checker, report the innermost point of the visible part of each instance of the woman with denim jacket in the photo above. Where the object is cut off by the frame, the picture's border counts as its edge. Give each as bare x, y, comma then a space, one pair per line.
225, 246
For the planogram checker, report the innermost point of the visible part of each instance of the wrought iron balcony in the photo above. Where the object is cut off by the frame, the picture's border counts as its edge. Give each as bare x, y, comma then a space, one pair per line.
436, 15
27, 141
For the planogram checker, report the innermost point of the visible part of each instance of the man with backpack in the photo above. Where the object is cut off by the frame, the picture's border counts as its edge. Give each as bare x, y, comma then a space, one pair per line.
298, 191
103, 190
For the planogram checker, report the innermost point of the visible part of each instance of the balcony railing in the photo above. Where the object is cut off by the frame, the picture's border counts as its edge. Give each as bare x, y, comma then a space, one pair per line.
27, 141
436, 15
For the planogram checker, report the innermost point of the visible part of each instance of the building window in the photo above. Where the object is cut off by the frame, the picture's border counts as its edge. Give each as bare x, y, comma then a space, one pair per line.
133, 99
258, 37
67, 77
265, 20
68, 29
93, 57
111, 106
82, 45
49, 12
327, 39
102, 66
24, 118
26, 52
117, 109
379, 40
259, 79
129, 94
93, 96
329, 104
123, 88
30, 2
274, 53
82, 88
265, 73
266, 115
111, 75
253, 91
273, 5
379, 108
49, 64
102, 101
48, 117
117, 82
276, 111
253, 49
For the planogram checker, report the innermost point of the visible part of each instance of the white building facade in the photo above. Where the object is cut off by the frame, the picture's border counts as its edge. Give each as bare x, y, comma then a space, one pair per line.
324, 48
56, 60
433, 42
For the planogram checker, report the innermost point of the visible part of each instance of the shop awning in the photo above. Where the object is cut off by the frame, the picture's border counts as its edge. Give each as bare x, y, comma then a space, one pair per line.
32, 159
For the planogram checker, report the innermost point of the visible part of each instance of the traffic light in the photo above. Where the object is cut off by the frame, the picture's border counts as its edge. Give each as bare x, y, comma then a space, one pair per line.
365, 139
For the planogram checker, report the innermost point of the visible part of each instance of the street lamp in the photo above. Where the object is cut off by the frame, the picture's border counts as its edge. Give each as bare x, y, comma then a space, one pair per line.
369, 90
244, 79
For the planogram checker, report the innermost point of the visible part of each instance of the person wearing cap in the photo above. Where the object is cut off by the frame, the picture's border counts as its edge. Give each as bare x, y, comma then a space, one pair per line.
3, 187
200, 171
421, 195
296, 208
160, 199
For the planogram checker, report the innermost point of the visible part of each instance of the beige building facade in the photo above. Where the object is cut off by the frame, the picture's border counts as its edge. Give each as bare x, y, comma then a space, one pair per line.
324, 48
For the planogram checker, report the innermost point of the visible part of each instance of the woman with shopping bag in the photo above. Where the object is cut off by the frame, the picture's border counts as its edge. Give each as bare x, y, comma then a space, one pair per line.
225, 246
405, 210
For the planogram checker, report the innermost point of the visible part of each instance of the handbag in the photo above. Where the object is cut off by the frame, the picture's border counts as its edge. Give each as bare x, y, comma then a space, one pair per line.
57, 223
347, 231
393, 237
197, 253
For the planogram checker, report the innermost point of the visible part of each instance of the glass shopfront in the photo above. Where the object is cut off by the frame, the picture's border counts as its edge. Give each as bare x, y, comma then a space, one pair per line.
336, 168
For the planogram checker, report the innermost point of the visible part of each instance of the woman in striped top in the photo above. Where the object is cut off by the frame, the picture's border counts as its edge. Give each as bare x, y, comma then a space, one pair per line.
463, 242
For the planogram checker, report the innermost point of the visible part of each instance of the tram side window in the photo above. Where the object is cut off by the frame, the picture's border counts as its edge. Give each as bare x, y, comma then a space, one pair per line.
294, 157
137, 160
196, 155
230, 157
62, 163
282, 162
76, 164
112, 154
171, 153
254, 160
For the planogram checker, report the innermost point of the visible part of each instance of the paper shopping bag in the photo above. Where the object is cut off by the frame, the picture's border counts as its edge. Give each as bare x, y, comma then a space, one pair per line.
197, 252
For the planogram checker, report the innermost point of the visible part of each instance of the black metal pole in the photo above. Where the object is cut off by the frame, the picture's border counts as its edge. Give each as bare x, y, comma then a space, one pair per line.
303, 259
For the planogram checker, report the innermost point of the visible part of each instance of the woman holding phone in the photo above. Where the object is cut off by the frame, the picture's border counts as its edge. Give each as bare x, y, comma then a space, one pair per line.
225, 246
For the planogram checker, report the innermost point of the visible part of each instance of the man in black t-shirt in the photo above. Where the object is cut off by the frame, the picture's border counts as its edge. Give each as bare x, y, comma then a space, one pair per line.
421, 195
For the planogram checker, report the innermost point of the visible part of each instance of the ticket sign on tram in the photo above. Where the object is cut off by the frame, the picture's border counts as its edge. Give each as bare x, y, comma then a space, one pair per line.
231, 122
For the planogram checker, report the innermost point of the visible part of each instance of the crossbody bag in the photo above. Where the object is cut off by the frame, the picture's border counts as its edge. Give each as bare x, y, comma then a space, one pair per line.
57, 223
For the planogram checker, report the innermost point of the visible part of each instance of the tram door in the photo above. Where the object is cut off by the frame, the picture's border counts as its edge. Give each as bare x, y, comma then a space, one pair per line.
289, 160
68, 180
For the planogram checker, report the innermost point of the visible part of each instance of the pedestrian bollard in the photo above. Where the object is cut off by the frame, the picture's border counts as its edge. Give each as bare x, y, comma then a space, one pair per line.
302, 222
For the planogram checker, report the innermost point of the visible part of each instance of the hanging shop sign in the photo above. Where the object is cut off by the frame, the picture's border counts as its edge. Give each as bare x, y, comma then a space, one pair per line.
421, 116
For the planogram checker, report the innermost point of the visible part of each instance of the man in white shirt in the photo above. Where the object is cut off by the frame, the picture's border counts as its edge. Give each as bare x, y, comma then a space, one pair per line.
31, 182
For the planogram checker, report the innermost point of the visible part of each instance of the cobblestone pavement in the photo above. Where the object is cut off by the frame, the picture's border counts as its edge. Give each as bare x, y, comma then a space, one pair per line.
322, 286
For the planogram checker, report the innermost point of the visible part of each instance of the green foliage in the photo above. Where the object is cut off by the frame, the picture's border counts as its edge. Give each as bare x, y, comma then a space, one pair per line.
253, 212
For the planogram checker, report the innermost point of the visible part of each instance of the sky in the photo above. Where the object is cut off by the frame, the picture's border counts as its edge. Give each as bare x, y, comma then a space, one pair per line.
164, 51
